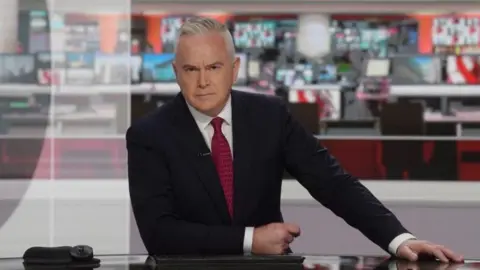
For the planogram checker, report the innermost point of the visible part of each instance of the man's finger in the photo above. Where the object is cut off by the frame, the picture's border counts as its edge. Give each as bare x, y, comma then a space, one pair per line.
451, 255
292, 229
437, 252
289, 239
406, 253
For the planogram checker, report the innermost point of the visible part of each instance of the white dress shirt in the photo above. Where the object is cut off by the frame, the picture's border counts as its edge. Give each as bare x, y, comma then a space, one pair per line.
203, 123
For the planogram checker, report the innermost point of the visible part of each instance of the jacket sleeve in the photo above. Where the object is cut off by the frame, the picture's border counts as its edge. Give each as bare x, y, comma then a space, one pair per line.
327, 182
162, 230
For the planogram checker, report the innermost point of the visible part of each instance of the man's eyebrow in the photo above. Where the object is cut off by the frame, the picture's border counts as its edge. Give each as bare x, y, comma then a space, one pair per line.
189, 66
217, 63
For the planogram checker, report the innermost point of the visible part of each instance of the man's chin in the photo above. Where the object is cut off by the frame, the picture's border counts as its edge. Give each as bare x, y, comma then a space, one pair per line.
209, 109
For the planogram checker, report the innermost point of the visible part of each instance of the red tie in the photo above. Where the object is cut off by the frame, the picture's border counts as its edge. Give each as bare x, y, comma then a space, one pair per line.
222, 157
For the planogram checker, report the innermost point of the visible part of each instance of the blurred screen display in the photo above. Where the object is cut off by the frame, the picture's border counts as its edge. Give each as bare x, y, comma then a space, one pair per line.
373, 35
80, 68
266, 78
455, 31
112, 69
326, 74
169, 32
81, 33
286, 37
136, 68
343, 63
345, 35
254, 68
377, 68
259, 34
463, 69
17, 69
284, 75
50, 68
158, 68
243, 70
416, 70
39, 37
296, 75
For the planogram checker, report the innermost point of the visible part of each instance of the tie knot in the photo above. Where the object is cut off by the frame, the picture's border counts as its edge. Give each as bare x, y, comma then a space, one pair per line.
217, 123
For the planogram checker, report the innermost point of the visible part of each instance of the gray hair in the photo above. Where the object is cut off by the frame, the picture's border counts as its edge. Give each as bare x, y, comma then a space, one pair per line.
202, 25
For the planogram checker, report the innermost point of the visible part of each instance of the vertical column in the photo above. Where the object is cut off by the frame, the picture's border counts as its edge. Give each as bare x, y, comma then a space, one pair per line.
313, 38
9, 26
90, 114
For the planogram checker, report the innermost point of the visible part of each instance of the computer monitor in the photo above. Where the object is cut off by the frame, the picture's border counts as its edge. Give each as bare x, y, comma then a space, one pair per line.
17, 69
112, 69
170, 25
254, 34
416, 69
157, 68
50, 68
80, 68
326, 74
377, 68
295, 74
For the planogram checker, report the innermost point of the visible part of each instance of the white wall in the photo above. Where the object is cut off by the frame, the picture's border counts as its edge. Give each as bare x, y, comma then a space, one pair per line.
97, 213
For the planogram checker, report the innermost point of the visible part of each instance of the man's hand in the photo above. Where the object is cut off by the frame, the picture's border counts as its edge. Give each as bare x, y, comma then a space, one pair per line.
274, 238
412, 249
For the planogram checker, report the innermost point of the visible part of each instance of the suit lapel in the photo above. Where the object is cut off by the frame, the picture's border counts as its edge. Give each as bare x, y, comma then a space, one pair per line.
245, 193
195, 148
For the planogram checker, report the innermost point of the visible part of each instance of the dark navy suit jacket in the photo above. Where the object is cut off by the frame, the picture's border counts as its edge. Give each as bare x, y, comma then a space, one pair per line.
176, 195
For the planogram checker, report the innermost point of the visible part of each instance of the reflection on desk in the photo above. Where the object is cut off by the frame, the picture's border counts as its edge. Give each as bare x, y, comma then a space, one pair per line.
316, 262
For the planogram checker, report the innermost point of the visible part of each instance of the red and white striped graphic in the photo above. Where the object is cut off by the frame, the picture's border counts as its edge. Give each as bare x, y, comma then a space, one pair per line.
302, 96
50, 77
463, 69
328, 101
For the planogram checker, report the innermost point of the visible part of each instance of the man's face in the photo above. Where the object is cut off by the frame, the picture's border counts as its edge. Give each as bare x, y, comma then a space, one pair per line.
205, 71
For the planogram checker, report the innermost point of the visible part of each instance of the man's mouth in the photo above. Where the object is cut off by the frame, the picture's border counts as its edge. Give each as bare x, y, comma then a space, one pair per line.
205, 95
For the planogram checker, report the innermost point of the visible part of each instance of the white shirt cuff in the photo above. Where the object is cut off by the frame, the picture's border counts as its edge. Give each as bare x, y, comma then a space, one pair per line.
248, 240
397, 241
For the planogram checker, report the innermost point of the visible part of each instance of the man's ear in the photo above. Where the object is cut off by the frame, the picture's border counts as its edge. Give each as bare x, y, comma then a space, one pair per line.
236, 68
174, 68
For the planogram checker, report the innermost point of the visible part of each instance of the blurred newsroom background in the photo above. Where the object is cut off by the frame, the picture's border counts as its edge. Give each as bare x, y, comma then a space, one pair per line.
395, 97
392, 96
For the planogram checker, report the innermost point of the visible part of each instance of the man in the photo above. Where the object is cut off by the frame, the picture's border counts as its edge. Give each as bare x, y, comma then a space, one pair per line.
205, 171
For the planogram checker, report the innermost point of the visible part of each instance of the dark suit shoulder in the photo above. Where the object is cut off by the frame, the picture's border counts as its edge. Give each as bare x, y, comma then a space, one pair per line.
266, 103
150, 125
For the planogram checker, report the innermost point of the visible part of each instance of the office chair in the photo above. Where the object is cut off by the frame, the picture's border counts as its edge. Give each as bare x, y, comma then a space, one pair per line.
402, 156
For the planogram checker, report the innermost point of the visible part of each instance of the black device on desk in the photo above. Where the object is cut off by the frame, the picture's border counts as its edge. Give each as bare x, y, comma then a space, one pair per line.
62, 257
225, 262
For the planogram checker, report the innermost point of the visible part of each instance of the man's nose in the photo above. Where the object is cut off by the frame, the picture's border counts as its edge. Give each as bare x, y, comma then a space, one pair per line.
202, 80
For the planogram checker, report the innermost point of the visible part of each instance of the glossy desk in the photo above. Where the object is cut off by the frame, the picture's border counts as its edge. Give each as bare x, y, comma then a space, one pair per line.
314, 262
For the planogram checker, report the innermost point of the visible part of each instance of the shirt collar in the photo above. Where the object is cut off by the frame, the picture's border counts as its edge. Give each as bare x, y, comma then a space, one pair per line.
204, 120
